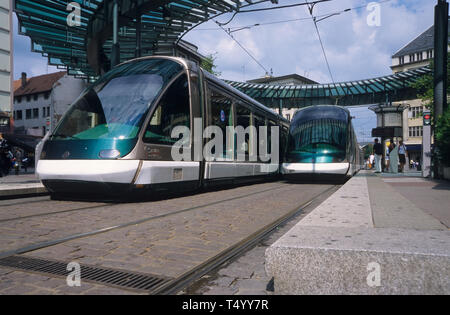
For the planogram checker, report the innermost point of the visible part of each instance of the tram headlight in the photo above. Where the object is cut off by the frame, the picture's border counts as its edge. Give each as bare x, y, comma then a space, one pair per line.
109, 154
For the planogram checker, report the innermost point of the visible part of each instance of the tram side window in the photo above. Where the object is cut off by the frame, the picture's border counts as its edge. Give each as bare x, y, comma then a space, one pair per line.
221, 115
260, 122
243, 119
173, 110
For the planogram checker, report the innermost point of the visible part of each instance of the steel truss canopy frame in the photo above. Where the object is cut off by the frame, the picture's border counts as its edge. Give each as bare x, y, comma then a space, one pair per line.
145, 27
152, 27
395, 87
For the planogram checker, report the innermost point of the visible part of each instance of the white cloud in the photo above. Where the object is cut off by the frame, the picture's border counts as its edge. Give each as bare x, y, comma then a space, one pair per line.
354, 49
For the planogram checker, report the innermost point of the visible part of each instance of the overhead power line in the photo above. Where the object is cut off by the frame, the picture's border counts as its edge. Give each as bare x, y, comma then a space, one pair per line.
243, 48
319, 18
267, 9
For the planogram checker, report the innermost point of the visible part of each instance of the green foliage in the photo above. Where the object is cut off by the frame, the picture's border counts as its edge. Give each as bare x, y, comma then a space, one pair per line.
443, 137
209, 64
368, 149
425, 89
425, 86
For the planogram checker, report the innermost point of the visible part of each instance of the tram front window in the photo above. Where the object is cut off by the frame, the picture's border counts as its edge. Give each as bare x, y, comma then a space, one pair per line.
318, 141
116, 105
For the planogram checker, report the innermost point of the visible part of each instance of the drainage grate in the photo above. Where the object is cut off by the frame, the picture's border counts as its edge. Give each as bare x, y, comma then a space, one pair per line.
119, 278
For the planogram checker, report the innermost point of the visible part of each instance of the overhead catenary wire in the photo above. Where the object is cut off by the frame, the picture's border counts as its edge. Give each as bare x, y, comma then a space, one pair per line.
267, 9
314, 19
243, 48
319, 17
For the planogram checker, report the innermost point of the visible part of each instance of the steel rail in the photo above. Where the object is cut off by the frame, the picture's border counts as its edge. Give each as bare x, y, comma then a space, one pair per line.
183, 281
50, 243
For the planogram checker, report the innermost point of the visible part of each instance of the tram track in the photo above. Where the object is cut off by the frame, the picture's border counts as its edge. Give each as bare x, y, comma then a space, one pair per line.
45, 244
87, 208
176, 285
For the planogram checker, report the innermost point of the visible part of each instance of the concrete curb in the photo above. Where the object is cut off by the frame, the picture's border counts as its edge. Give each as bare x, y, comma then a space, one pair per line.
337, 250
36, 189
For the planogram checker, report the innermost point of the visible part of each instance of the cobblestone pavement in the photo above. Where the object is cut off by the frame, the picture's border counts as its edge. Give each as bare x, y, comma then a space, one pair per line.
246, 275
69, 218
166, 246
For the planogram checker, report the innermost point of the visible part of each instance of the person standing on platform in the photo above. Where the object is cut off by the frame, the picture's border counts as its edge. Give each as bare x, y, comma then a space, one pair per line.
393, 158
378, 152
402, 155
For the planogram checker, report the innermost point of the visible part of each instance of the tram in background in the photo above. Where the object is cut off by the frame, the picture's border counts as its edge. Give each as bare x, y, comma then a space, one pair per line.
322, 142
116, 137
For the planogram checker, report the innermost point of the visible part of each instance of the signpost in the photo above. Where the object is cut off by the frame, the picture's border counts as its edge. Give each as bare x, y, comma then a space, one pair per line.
426, 144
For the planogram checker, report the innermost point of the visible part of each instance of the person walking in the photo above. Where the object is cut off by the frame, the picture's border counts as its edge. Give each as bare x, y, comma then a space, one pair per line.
402, 155
378, 152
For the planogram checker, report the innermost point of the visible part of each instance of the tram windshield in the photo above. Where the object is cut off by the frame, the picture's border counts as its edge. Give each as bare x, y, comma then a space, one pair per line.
318, 141
115, 106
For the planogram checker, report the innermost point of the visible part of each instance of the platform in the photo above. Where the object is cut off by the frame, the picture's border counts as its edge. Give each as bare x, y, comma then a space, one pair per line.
376, 235
20, 186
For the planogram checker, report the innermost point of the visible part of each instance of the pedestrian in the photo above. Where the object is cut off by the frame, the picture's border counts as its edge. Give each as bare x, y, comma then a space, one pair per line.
4, 169
18, 158
378, 153
393, 158
371, 160
386, 166
402, 155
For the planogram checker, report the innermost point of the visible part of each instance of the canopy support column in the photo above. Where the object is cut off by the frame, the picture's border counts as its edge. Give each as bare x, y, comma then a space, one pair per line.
115, 54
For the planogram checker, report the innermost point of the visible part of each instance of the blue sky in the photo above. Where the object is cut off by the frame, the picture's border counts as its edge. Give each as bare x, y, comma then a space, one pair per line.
354, 49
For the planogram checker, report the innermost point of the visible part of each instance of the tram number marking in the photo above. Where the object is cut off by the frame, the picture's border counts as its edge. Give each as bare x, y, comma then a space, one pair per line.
178, 174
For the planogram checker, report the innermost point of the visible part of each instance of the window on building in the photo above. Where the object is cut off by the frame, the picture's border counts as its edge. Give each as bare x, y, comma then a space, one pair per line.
430, 54
416, 112
419, 56
28, 114
416, 131
402, 60
18, 115
412, 58
47, 95
28, 98
35, 97
19, 99
48, 111
35, 113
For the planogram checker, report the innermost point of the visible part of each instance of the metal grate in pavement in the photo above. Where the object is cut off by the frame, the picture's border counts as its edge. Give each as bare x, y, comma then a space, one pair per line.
106, 276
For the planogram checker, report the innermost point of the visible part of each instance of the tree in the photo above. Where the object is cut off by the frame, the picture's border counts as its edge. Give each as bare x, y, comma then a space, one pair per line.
425, 90
209, 64
425, 86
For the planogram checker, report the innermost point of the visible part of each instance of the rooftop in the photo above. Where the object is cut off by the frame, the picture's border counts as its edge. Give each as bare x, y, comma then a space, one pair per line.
38, 84
423, 42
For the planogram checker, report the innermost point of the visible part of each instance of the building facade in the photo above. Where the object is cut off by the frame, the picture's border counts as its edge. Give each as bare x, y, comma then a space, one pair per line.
40, 102
416, 54
6, 63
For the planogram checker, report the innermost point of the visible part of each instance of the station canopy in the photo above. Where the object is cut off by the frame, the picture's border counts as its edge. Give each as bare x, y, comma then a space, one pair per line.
392, 88
146, 27
152, 27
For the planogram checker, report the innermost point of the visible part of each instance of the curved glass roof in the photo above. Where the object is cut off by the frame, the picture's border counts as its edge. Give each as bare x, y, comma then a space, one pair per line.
85, 48
152, 27
396, 87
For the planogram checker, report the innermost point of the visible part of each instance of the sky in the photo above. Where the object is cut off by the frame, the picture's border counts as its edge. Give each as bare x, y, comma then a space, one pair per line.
355, 49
